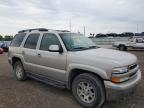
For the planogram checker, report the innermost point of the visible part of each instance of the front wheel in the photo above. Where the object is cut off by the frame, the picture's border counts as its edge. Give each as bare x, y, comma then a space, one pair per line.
122, 48
88, 90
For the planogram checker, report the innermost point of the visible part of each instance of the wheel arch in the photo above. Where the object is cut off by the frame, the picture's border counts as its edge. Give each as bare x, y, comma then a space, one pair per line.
75, 72
15, 59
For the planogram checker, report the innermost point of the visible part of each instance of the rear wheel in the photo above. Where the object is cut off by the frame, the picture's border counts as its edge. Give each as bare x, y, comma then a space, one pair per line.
88, 90
19, 71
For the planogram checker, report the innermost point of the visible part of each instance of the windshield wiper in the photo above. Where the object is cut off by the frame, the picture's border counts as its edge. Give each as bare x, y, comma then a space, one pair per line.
85, 48
80, 48
91, 47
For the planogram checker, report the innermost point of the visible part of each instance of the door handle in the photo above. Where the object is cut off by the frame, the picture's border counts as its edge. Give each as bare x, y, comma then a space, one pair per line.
39, 55
23, 52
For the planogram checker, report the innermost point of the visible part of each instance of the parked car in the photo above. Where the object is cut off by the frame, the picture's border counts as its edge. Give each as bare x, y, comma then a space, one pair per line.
1, 51
133, 43
101, 36
4, 45
112, 35
1, 44
73, 61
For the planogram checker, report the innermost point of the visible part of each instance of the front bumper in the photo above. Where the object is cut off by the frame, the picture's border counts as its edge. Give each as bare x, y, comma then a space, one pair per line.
116, 91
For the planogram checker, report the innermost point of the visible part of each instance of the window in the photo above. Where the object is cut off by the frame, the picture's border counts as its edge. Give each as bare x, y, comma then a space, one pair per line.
139, 40
31, 41
16, 42
47, 40
76, 42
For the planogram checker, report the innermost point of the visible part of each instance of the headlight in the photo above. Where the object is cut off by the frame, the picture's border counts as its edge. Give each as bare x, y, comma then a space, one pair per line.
117, 76
120, 70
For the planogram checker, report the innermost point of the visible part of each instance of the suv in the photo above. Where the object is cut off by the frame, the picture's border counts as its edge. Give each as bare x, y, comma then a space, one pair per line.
72, 61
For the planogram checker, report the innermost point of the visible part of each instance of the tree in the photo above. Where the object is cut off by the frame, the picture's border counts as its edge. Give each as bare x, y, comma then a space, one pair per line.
1, 38
8, 38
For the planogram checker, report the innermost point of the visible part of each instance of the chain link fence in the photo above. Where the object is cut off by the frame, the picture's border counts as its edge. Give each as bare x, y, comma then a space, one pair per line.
108, 41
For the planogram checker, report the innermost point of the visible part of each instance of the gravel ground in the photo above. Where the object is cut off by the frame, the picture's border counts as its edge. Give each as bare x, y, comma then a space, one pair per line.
33, 94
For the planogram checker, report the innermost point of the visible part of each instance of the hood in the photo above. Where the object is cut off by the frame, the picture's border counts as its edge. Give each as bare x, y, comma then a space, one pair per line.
120, 58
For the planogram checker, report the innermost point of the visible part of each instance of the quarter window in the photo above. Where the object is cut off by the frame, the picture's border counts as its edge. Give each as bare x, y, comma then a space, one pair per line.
47, 40
31, 41
16, 42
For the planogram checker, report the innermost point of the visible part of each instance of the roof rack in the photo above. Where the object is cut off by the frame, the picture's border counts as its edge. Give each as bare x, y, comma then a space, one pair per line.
29, 30
41, 29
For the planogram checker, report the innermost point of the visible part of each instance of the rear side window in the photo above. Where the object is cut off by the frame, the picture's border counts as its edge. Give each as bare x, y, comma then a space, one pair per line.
16, 42
47, 40
31, 41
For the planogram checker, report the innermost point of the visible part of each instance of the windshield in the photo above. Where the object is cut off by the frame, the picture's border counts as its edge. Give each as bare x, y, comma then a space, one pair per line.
76, 42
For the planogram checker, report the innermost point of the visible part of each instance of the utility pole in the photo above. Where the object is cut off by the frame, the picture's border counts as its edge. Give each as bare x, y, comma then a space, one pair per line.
70, 24
137, 28
84, 30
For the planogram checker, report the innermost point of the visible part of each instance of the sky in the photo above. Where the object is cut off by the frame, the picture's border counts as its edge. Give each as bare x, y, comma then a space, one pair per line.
98, 16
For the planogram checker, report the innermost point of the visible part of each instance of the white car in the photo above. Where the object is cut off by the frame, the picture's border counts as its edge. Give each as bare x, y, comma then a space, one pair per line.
134, 43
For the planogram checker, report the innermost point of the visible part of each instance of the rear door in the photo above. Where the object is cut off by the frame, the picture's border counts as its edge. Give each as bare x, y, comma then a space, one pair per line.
29, 52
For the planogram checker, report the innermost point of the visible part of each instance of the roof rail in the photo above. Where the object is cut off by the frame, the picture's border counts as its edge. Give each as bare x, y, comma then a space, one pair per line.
62, 30
29, 30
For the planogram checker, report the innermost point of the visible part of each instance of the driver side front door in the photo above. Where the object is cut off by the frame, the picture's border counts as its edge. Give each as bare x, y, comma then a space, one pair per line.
51, 64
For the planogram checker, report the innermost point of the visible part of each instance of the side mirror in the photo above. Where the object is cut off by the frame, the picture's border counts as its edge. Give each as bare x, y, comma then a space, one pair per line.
55, 48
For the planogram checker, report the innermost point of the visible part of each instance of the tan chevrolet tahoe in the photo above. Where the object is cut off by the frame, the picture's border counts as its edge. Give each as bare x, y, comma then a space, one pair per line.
70, 60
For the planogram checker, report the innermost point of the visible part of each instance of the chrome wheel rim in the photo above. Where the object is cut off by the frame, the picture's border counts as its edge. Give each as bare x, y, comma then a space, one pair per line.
86, 92
19, 71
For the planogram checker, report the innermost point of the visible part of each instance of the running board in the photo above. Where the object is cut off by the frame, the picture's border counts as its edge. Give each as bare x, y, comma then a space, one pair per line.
45, 80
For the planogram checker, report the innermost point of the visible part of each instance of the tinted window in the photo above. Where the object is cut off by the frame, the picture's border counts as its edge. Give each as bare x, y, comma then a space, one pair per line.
18, 40
31, 41
47, 40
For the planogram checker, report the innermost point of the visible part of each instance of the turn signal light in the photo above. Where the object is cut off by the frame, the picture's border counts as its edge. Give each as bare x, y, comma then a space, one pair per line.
116, 80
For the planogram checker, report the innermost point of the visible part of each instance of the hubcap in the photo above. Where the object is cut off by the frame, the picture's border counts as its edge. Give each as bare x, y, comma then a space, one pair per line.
86, 92
121, 48
19, 71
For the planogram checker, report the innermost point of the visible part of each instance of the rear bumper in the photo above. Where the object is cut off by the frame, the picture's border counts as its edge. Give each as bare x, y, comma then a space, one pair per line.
117, 91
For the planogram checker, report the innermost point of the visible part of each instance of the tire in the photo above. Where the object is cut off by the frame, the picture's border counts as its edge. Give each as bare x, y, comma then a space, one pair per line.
19, 71
122, 48
88, 90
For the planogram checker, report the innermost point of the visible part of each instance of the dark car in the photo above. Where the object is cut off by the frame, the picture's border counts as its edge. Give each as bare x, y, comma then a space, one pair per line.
101, 36
4, 45
1, 44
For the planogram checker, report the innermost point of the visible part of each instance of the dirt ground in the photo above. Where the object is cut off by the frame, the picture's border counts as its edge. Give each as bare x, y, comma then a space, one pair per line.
33, 94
